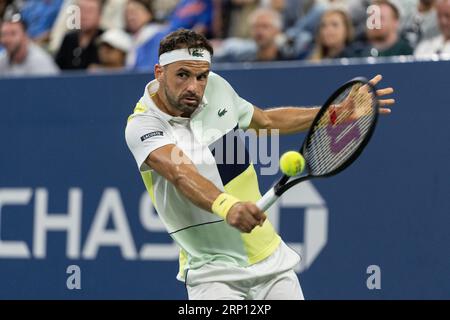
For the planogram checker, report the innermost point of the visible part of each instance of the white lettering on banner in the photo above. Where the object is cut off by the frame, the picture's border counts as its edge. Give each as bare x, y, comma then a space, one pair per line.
13, 249
44, 222
110, 207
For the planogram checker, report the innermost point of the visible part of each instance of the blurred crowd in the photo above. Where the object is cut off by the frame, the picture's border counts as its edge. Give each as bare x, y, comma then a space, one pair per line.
50, 36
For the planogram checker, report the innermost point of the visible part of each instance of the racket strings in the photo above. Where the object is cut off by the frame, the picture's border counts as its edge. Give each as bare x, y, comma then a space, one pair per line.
340, 130
323, 161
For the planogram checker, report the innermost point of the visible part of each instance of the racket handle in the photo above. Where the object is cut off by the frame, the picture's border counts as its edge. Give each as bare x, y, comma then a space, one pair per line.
267, 200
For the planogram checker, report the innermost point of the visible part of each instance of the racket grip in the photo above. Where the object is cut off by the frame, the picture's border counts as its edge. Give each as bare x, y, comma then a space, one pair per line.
267, 200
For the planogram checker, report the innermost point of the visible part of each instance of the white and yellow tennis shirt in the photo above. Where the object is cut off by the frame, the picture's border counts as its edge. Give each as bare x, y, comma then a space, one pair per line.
211, 249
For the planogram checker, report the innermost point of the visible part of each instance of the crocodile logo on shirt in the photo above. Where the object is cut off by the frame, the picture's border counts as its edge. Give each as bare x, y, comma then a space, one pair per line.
222, 112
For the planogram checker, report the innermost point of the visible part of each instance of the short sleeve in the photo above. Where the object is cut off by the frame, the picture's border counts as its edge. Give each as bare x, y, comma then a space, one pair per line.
145, 134
244, 108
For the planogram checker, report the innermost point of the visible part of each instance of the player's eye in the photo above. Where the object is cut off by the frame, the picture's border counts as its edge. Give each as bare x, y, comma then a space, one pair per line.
182, 75
202, 77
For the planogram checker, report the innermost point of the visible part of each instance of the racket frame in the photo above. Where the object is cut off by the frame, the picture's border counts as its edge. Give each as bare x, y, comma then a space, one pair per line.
284, 184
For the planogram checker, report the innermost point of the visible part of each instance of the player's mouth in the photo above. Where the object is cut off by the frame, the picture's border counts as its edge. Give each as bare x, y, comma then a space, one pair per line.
190, 100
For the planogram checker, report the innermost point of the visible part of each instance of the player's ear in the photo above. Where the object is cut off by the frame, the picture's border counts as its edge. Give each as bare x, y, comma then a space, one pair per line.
159, 72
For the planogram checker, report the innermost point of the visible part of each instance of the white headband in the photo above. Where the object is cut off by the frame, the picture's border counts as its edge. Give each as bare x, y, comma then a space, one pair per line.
196, 54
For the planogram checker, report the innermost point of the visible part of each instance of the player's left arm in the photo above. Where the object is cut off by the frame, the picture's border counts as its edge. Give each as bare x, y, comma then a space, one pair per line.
297, 119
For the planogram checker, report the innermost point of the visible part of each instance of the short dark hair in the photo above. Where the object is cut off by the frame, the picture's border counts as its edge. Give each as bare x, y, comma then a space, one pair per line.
183, 38
391, 5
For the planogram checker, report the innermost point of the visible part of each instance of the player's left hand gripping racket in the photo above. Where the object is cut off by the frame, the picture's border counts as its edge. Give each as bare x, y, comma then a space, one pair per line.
337, 136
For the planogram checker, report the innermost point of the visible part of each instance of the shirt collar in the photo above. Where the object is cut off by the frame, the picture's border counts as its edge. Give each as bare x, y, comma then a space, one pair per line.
151, 88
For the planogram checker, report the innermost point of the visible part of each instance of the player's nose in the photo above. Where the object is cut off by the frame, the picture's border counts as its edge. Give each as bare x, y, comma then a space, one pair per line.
193, 87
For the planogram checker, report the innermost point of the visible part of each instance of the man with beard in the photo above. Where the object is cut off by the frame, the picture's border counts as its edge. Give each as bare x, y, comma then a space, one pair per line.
21, 55
79, 48
383, 36
267, 41
186, 117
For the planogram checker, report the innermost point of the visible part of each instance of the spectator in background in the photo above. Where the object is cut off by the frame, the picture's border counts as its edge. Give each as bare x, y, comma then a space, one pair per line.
307, 16
79, 48
114, 45
195, 15
138, 17
406, 9
60, 27
112, 17
384, 40
334, 36
267, 43
423, 24
3, 5
358, 13
113, 14
289, 9
21, 55
163, 8
265, 27
39, 16
235, 17
427, 19
439, 45
188, 14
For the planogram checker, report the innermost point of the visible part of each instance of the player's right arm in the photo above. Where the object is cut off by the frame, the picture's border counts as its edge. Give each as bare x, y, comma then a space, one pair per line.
171, 163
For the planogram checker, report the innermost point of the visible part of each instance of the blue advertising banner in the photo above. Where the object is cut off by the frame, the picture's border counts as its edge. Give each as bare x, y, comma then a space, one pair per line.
72, 203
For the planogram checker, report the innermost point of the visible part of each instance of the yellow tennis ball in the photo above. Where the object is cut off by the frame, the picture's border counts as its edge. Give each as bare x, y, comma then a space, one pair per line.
292, 163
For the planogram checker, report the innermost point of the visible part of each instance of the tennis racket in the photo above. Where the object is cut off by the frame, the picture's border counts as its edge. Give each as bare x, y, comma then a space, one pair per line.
339, 133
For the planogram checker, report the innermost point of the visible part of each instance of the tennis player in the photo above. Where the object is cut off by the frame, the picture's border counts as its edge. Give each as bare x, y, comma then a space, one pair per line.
228, 249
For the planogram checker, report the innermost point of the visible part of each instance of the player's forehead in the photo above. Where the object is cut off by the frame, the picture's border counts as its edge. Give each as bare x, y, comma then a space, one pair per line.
195, 67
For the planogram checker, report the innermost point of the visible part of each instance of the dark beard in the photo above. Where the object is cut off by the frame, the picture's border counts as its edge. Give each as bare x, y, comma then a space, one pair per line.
378, 38
188, 109
13, 53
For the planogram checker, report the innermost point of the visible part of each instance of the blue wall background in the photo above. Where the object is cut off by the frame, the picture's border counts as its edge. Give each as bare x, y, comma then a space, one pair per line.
391, 208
